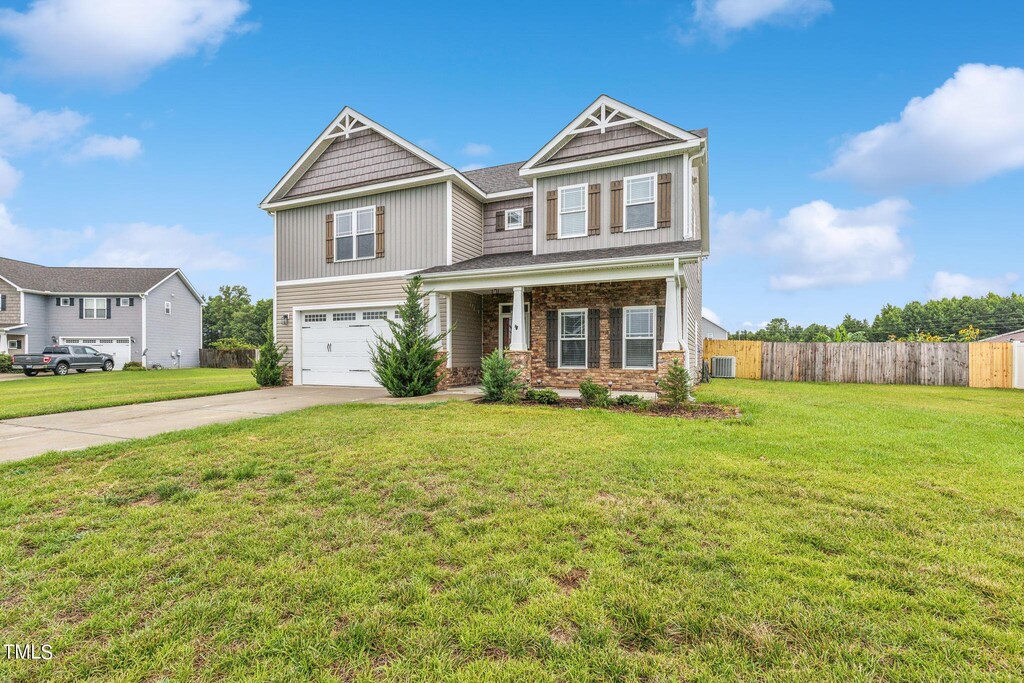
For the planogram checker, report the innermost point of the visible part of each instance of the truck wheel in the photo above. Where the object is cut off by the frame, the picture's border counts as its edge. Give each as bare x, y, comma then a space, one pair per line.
61, 369
31, 373
79, 370
108, 366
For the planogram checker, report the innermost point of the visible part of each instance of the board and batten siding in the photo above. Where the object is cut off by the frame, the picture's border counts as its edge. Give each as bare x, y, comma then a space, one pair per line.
693, 296
467, 341
605, 238
467, 226
501, 242
414, 235
362, 158
617, 139
11, 315
181, 329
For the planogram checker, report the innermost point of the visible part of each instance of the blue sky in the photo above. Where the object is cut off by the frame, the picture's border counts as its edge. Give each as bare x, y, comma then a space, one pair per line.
146, 133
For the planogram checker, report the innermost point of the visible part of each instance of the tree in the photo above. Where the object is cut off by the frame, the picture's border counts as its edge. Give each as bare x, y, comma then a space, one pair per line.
408, 363
231, 313
268, 368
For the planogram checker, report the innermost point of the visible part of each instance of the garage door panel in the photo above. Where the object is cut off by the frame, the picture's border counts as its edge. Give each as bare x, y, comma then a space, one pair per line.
336, 345
118, 347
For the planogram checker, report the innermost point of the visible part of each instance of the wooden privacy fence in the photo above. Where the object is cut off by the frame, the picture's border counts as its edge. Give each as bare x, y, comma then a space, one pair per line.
227, 358
979, 364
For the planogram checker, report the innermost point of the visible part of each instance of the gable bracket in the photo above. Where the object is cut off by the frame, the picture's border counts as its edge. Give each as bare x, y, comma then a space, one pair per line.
347, 125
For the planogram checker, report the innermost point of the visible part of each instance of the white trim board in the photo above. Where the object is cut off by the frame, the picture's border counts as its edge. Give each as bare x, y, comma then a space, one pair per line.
389, 275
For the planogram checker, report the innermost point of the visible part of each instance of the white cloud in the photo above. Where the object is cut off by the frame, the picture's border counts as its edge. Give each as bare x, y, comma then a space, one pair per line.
954, 285
967, 130
710, 315
819, 245
22, 129
477, 149
739, 231
720, 17
123, 148
471, 167
10, 178
116, 41
754, 327
144, 245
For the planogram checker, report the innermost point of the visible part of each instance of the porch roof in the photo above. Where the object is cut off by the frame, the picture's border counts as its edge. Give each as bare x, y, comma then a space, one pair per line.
522, 259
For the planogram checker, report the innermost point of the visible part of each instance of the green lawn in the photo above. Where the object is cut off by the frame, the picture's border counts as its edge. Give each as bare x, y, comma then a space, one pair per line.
47, 394
834, 533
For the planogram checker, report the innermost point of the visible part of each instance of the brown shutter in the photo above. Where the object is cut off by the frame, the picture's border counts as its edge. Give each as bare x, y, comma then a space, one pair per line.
3, 302
594, 209
380, 232
528, 218
616, 199
552, 340
499, 220
664, 200
552, 215
659, 329
329, 222
593, 338
615, 337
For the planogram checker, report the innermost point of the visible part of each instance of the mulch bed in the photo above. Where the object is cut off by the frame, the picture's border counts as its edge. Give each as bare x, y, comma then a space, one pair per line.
693, 411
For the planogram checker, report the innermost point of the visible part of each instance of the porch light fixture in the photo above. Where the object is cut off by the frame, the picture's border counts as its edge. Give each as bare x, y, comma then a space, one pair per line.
284, 318
53, 340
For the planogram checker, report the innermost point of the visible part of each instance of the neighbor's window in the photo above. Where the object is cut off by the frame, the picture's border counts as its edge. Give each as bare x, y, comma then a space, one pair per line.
513, 219
354, 236
167, 307
65, 301
94, 308
639, 337
14, 344
640, 202
124, 301
572, 211
572, 339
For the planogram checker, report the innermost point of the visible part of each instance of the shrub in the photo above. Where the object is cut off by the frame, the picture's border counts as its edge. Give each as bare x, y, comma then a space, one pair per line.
499, 379
407, 364
268, 367
675, 388
231, 344
594, 395
633, 401
5, 363
133, 365
548, 397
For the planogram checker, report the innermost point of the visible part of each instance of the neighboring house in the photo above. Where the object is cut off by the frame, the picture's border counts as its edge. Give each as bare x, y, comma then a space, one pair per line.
138, 314
712, 330
1016, 335
583, 261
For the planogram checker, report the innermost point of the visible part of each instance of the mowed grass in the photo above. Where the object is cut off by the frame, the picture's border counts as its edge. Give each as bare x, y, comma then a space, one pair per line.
834, 533
46, 394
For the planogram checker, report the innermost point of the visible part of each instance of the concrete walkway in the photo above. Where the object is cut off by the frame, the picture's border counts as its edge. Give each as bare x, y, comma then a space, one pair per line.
25, 437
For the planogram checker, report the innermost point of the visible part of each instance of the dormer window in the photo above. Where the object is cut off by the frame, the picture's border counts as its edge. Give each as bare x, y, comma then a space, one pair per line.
640, 202
513, 219
572, 211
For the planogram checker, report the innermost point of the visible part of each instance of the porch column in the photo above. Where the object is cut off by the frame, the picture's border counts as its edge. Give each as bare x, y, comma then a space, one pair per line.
3, 341
670, 334
518, 341
432, 313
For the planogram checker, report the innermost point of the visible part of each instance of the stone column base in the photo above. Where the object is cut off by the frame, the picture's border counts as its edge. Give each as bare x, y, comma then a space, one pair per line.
520, 361
665, 359
287, 376
444, 383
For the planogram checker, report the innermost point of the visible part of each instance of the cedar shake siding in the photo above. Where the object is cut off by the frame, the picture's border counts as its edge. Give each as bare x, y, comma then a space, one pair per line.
181, 329
414, 235
503, 241
11, 313
467, 226
362, 158
605, 238
618, 139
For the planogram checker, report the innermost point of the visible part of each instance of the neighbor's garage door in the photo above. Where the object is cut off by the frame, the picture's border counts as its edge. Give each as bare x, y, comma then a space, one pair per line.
118, 347
336, 345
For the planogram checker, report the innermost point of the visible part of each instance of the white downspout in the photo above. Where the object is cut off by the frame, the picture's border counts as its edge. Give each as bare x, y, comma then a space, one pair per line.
145, 321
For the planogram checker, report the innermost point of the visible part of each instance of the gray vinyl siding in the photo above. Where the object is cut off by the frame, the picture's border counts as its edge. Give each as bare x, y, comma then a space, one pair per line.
414, 235
693, 272
12, 314
63, 321
37, 321
617, 139
364, 157
467, 344
604, 176
181, 329
507, 240
467, 226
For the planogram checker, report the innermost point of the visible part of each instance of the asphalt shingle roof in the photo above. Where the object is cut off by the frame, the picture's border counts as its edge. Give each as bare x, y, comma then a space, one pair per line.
71, 280
499, 178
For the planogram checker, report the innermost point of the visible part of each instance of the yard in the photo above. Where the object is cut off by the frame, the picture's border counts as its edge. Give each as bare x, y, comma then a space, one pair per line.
47, 394
834, 532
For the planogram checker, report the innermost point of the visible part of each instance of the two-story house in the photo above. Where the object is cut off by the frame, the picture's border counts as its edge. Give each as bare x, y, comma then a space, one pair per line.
582, 262
148, 315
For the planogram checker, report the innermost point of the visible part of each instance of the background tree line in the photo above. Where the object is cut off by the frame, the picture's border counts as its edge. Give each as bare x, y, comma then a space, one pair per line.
232, 320
963, 319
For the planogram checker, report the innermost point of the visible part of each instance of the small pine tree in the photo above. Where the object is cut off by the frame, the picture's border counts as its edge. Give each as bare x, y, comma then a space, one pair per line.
500, 381
268, 368
407, 364
675, 388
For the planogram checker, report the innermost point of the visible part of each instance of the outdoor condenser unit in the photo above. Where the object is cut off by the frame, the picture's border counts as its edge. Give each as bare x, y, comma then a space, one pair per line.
723, 367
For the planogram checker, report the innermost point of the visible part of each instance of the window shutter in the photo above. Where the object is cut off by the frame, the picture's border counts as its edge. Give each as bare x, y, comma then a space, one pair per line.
380, 232
329, 222
499, 220
57, 301
615, 336
659, 329
131, 301
594, 209
616, 198
81, 308
528, 217
593, 338
108, 308
552, 340
664, 200
71, 301
118, 300
552, 230
3, 302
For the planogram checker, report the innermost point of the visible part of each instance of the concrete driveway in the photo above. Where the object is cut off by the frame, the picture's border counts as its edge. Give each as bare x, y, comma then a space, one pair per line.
24, 437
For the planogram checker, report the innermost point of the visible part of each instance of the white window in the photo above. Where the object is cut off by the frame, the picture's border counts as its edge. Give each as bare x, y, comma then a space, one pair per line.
354, 236
65, 301
167, 307
343, 317
638, 340
375, 315
315, 317
572, 211
94, 308
640, 202
14, 344
572, 338
124, 301
513, 219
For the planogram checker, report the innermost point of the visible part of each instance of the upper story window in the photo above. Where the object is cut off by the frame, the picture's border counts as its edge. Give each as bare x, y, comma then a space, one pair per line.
354, 236
64, 301
640, 202
167, 307
124, 301
513, 219
94, 308
572, 211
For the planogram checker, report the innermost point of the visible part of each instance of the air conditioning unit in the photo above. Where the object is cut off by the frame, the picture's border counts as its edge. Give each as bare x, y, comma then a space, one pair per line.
723, 367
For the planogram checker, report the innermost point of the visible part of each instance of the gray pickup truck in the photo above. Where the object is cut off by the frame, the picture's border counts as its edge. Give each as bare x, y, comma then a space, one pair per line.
60, 360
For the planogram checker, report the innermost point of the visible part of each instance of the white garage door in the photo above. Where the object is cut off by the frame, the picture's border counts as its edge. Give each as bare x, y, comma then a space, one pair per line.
336, 345
118, 347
